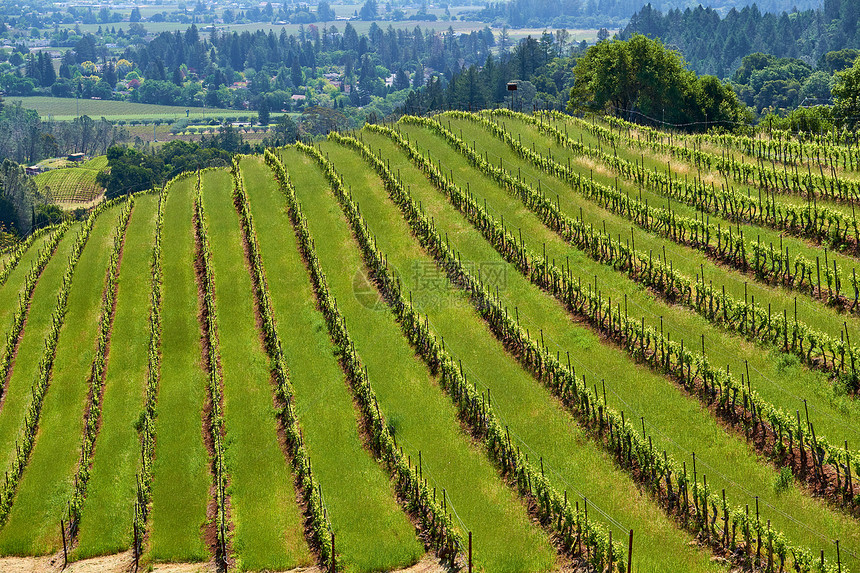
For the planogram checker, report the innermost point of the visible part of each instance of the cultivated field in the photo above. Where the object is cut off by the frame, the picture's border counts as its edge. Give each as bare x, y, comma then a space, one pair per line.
65, 109
73, 185
581, 343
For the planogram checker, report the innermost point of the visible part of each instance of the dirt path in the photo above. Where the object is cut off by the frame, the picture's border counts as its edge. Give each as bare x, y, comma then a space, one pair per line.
123, 563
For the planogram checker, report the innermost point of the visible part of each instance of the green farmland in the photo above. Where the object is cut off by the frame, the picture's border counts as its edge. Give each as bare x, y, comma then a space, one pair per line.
478, 342
65, 109
72, 185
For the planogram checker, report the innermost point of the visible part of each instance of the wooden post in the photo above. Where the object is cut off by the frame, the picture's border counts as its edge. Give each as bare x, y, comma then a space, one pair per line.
470, 552
333, 565
65, 548
630, 553
838, 558
757, 531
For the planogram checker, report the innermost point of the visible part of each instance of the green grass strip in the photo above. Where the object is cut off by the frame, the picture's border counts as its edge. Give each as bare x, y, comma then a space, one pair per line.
318, 526
355, 489
268, 530
48, 482
181, 480
418, 413
106, 522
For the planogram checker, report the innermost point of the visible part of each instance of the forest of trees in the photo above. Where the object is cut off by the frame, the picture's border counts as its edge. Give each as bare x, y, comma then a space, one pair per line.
26, 138
542, 68
258, 70
606, 13
716, 45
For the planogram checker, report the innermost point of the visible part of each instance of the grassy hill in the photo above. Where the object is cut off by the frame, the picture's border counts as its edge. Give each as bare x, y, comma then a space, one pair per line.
73, 186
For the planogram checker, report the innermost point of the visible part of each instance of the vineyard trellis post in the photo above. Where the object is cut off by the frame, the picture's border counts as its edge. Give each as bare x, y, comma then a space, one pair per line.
470, 552
630, 553
65, 549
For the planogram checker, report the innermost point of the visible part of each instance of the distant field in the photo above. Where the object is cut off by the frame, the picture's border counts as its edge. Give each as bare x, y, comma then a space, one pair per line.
576, 35
361, 27
73, 185
98, 163
63, 109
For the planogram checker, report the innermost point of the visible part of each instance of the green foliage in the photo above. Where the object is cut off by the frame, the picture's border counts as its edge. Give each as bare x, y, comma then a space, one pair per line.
48, 215
784, 480
846, 93
642, 80
714, 41
318, 120
132, 170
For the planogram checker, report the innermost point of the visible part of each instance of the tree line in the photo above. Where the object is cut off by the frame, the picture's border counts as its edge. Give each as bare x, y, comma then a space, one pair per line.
716, 45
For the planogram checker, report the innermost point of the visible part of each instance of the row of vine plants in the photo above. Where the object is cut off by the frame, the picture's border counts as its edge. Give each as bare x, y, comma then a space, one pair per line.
434, 522
737, 403
216, 427
24, 446
310, 488
143, 493
98, 369
751, 320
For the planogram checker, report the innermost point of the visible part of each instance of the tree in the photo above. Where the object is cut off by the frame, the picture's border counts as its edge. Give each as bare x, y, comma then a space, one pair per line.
135, 15
401, 80
20, 192
504, 40
284, 132
846, 93
47, 214
418, 78
325, 12
641, 80
85, 49
321, 120
109, 75
368, 10
296, 74
263, 116
130, 171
